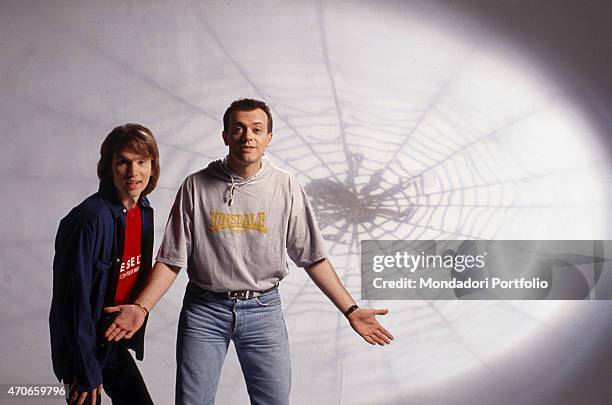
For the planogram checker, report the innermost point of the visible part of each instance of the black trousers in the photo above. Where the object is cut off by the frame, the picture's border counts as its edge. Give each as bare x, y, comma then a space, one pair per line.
122, 380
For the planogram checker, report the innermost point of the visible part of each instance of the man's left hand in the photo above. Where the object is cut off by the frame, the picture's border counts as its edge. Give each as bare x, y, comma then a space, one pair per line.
363, 321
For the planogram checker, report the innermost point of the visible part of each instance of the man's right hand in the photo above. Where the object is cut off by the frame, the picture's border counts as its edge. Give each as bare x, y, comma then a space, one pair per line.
127, 322
80, 398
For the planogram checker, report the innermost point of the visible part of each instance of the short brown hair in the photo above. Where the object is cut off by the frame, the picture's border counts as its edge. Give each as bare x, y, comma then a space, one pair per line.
133, 137
246, 104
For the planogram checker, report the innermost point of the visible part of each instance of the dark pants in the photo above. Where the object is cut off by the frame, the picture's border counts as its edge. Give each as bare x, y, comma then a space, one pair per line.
122, 380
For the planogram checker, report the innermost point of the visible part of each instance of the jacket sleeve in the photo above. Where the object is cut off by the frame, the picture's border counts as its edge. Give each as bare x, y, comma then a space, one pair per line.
80, 267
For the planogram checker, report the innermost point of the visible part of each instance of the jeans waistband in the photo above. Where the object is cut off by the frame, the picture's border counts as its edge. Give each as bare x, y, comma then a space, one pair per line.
238, 294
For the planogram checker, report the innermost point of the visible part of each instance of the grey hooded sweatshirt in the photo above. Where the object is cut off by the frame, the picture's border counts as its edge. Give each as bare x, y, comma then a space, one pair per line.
231, 233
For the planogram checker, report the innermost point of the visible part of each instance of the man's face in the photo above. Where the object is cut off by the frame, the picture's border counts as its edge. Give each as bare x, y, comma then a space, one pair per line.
131, 174
247, 137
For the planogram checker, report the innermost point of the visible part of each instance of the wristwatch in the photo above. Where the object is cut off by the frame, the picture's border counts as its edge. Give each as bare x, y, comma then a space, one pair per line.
350, 310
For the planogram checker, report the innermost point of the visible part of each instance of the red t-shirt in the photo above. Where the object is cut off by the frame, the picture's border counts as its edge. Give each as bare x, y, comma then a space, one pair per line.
130, 265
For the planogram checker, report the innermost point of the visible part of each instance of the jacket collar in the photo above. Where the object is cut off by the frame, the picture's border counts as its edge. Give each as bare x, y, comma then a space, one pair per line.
109, 194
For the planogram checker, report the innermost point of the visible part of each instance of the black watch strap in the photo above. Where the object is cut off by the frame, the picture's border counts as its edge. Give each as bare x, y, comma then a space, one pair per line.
350, 310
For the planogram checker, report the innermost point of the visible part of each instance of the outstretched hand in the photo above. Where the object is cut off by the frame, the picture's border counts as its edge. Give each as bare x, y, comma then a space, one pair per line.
363, 321
127, 322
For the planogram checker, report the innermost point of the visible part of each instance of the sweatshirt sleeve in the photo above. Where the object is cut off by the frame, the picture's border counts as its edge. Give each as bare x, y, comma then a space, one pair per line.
305, 244
176, 244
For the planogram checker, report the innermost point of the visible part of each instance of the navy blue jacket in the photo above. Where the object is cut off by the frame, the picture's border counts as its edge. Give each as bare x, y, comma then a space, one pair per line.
88, 253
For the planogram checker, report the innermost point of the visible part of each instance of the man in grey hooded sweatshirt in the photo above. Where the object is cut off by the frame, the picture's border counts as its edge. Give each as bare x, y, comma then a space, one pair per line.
230, 226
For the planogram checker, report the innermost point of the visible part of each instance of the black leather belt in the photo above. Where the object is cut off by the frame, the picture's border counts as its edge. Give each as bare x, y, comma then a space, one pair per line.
244, 294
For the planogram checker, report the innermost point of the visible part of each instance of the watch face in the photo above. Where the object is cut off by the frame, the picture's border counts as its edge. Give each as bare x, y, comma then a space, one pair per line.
402, 120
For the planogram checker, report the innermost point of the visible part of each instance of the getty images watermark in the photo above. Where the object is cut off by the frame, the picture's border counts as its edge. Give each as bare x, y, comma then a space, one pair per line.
486, 269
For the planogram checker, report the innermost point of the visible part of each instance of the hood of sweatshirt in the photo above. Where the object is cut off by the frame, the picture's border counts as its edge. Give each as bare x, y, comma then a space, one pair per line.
221, 170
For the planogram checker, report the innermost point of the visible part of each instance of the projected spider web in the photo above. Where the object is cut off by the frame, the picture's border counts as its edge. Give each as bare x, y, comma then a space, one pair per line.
377, 172
391, 158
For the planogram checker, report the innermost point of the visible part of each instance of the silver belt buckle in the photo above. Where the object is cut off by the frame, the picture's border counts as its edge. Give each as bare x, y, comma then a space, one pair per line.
243, 295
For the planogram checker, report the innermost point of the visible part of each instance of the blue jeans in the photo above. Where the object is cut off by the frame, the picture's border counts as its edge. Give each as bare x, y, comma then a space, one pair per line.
207, 324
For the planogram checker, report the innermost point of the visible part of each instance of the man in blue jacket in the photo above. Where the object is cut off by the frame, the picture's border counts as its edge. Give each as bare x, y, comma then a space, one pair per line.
103, 254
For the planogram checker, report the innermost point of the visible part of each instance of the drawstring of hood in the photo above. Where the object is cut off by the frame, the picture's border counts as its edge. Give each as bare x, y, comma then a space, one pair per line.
232, 191
220, 169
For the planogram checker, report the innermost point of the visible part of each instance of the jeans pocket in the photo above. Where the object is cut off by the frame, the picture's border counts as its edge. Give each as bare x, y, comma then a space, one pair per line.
268, 300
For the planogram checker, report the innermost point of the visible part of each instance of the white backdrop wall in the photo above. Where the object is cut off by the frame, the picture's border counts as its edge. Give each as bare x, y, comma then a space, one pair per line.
403, 120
